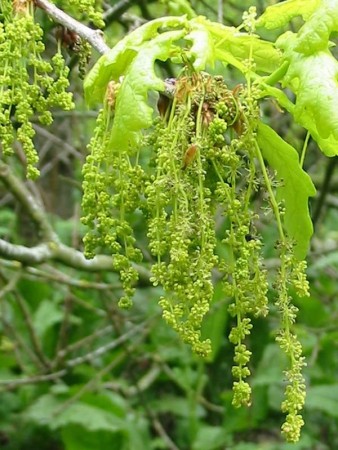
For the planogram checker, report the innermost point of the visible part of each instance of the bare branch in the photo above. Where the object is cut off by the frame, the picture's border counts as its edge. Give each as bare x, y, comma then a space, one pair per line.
140, 330
12, 384
84, 341
29, 203
57, 252
53, 249
68, 256
94, 37
35, 340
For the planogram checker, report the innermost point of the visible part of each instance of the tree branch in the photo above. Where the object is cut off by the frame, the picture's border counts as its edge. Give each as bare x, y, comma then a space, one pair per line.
52, 249
55, 251
12, 384
29, 203
94, 37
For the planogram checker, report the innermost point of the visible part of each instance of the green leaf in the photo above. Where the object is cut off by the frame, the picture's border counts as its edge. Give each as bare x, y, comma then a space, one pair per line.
178, 406
47, 315
276, 16
115, 63
267, 374
215, 322
323, 398
315, 33
180, 7
132, 112
313, 78
75, 437
296, 186
90, 417
210, 438
95, 83
233, 47
202, 47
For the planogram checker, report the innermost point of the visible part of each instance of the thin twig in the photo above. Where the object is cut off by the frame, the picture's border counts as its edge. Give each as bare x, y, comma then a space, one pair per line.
162, 432
19, 342
91, 384
117, 10
65, 325
325, 188
116, 360
29, 203
52, 274
12, 384
30, 327
60, 143
85, 341
10, 284
94, 37
105, 348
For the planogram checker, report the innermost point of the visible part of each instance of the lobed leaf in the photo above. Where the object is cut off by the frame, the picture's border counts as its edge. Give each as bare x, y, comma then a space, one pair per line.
233, 47
180, 7
276, 16
296, 186
114, 63
202, 47
315, 33
132, 112
313, 78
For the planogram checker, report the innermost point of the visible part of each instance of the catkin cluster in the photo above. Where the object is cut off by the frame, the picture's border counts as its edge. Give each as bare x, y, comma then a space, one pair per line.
199, 163
84, 10
29, 85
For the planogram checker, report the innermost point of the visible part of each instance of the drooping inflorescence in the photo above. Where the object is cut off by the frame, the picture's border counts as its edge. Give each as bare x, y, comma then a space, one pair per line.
198, 162
30, 86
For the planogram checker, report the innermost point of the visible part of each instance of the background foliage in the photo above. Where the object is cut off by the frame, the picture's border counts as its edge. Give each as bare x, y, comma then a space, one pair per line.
77, 373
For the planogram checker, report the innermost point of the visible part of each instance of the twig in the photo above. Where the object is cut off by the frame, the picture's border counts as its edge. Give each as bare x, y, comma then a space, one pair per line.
116, 360
117, 10
91, 384
141, 385
20, 342
29, 203
12, 384
53, 249
329, 171
86, 340
60, 143
10, 285
220, 11
27, 317
65, 325
94, 37
162, 432
52, 274
31, 330
105, 348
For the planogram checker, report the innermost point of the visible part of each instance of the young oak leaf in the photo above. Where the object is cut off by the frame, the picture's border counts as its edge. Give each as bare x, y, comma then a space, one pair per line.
132, 112
276, 16
295, 190
115, 63
232, 47
202, 47
313, 78
315, 33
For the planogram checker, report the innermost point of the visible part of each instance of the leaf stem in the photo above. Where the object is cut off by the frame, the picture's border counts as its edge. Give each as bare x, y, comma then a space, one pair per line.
273, 200
303, 154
